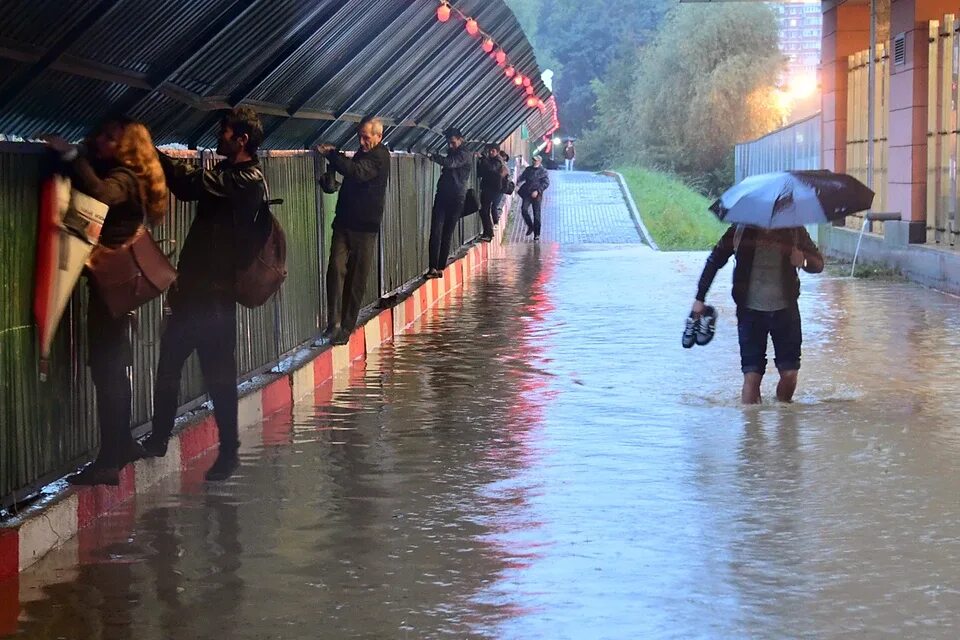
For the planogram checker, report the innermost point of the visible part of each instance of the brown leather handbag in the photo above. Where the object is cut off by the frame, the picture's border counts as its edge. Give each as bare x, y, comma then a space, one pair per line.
132, 274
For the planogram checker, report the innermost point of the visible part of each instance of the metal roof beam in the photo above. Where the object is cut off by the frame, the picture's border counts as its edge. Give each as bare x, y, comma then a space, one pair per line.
67, 40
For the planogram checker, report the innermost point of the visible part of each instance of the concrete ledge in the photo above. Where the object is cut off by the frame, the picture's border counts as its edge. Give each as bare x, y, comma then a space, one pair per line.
634, 211
64, 510
929, 266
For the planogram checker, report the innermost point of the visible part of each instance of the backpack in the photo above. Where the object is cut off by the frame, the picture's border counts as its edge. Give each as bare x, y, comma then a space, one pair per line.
507, 186
262, 263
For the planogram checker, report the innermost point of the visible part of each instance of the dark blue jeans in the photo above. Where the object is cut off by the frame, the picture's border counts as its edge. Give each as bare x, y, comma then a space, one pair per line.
783, 326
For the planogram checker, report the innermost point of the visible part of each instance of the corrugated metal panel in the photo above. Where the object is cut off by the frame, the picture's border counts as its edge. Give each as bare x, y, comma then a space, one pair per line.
169, 62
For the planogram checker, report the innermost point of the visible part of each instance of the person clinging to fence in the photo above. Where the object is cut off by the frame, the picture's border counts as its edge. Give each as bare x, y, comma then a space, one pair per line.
532, 183
356, 225
449, 201
118, 167
766, 290
492, 172
203, 303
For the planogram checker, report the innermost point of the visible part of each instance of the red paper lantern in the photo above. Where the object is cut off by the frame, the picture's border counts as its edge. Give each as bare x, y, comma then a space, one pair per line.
531, 102
443, 12
488, 45
472, 27
509, 72
529, 90
501, 58
518, 80
526, 82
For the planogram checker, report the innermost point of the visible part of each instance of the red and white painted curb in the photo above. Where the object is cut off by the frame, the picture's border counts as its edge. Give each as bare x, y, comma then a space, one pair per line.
47, 525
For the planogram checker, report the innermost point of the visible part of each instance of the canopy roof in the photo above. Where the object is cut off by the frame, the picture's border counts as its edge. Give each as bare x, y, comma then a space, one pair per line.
312, 68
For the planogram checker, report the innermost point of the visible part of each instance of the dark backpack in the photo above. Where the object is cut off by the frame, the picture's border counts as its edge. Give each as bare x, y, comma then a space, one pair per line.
507, 186
262, 256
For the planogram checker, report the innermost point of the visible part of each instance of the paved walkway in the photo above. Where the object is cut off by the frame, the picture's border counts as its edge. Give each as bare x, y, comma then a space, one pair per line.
581, 208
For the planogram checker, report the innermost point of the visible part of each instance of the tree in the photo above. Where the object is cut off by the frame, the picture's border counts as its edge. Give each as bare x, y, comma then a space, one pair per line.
578, 39
705, 83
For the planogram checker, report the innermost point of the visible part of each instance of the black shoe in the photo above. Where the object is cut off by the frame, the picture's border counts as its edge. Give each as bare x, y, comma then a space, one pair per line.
94, 475
432, 273
690, 331
341, 337
224, 467
486, 238
529, 231
329, 332
536, 238
134, 452
155, 447
707, 326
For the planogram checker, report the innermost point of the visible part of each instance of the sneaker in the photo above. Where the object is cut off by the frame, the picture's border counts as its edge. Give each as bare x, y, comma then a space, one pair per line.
707, 326
690, 331
223, 468
155, 447
94, 475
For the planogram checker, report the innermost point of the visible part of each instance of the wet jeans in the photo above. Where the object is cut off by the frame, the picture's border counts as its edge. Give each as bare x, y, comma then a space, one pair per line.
489, 211
537, 204
446, 215
209, 327
351, 255
110, 354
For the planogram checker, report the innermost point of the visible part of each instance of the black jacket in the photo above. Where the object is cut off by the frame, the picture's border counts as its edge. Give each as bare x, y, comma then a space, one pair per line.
454, 179
120, 190
491, 172
727, 246
363, 193
533, 179
224, 195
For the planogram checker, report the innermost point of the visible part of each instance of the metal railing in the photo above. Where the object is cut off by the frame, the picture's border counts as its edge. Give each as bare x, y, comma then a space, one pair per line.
48, 427
858, 128
795, 146
942, 131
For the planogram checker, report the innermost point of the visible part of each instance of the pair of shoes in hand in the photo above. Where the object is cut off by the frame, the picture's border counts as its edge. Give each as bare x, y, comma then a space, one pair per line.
699, 329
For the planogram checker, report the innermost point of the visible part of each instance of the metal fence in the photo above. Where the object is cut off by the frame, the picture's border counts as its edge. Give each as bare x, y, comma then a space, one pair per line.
858, 126
48, 427
943, 81
796, 146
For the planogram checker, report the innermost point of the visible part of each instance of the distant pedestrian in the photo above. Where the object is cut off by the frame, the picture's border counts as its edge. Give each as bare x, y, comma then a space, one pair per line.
449, 201
569, 154
492, 172
765, 290
533, 182
120, 169
203, 304
356, 225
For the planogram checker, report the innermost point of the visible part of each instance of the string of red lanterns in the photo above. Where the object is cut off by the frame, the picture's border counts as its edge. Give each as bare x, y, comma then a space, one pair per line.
446, 10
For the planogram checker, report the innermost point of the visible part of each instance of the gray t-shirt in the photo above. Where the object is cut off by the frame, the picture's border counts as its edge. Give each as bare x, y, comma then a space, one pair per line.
765, 292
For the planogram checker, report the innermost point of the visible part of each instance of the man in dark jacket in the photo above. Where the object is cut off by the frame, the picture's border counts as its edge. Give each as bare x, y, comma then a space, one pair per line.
356, 226
765, 290
203, 305
492, 171
448, 204
533, 182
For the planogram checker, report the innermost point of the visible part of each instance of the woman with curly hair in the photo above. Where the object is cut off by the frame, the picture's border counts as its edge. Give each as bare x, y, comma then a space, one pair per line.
119, 167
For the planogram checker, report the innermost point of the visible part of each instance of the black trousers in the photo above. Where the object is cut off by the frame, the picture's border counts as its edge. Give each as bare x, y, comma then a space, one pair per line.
110, 353
490, 210
351, 255
537, 204
446, 215
209, 327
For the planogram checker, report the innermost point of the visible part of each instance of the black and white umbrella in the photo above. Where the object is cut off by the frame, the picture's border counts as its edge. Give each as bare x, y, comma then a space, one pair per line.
792, 199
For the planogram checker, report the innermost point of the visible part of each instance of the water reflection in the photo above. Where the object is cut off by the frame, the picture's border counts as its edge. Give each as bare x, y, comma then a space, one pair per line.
544, 461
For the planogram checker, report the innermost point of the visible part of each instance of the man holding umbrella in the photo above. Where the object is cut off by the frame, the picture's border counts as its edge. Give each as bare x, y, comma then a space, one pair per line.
767, 213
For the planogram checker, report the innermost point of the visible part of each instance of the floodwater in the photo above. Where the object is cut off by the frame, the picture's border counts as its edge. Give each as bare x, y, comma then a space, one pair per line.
545, 461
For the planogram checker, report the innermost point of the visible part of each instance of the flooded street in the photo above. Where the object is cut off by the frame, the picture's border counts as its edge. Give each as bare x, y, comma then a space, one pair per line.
547, 462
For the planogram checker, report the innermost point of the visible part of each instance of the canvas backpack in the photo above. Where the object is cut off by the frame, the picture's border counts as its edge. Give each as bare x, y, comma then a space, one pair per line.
262, 255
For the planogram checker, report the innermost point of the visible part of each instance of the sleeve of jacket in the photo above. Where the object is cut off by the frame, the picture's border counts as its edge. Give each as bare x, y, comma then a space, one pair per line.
183, 179
115, 188
365, 169
544, 181
717, 259
524, 175
454, 160
814, 259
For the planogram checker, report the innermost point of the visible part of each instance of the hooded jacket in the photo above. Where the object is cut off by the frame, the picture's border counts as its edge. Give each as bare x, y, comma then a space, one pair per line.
745, 250
225, 194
